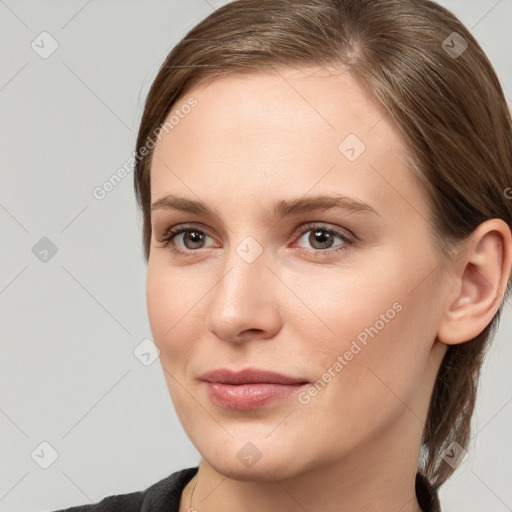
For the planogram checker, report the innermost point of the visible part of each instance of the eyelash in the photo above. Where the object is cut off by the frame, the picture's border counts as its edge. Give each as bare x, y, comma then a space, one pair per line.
177, 230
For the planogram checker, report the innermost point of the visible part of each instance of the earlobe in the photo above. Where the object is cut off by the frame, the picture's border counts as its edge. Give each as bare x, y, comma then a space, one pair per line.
479, 283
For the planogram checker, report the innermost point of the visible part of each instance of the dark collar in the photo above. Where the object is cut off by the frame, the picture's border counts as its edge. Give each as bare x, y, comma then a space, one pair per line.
165, 495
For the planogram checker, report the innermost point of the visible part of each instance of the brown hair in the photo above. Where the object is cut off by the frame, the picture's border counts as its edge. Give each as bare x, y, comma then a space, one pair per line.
450, 109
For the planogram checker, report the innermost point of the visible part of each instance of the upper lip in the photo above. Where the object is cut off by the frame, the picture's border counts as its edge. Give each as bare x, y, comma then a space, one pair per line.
248, 376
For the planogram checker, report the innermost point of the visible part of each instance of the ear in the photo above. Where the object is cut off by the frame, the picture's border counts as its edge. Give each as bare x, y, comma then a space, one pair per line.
480, 279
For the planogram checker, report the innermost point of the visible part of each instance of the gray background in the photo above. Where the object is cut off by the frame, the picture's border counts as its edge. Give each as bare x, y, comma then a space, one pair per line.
68, 373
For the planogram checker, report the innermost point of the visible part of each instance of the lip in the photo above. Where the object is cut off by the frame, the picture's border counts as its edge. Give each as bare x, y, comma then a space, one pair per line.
249, 388
249, 376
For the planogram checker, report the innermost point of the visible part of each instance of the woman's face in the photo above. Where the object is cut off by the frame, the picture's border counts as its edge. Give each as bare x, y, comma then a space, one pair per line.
347, 298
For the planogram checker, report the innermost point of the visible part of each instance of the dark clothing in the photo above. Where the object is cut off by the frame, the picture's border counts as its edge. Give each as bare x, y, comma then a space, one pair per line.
164, 496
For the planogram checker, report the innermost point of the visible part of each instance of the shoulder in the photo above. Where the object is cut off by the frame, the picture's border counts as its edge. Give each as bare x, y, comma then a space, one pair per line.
163, 495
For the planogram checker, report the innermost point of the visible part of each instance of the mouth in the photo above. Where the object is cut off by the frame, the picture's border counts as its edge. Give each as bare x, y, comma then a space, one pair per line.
249, 376
249, 388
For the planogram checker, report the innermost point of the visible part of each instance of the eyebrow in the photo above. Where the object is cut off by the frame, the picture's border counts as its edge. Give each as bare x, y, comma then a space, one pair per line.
281, 208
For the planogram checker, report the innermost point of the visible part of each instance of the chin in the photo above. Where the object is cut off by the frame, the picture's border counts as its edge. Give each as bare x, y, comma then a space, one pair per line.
255, 458
263, 471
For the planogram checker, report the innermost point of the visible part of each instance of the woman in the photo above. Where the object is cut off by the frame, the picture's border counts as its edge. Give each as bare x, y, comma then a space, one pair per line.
327, 232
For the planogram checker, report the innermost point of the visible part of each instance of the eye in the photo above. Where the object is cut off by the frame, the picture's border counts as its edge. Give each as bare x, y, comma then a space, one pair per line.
321, 238
193, 238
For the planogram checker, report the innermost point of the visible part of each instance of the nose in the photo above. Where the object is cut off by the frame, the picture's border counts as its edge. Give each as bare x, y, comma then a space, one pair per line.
245, 303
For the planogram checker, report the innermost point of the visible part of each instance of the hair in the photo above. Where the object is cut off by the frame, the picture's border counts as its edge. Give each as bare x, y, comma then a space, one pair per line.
450, 109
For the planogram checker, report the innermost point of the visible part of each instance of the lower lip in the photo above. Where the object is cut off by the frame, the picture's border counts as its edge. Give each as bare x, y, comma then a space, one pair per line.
249, 396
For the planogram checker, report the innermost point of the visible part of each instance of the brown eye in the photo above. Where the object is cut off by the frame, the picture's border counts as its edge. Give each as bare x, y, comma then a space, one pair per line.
191, 239
194, 238
322, 238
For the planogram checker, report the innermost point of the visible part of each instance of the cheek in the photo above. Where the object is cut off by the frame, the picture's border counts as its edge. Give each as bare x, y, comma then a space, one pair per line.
382, 332
165, 305
355, 303
380, 382
176, 315
157, 302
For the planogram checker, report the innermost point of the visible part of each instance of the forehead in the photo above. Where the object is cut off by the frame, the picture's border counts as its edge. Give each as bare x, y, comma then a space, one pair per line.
301, 102
289, 130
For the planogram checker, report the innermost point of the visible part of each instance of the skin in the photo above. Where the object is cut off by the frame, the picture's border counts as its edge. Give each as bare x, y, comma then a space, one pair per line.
256, 139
